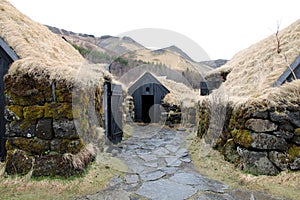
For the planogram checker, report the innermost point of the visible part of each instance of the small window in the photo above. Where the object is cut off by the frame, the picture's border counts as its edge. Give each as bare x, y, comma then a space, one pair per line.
147, 89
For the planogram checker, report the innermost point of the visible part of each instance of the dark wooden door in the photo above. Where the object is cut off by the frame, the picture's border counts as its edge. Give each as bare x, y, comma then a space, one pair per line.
113, 112
5, 62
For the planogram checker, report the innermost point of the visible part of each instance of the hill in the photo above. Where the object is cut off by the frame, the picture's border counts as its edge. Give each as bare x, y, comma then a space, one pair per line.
124, 54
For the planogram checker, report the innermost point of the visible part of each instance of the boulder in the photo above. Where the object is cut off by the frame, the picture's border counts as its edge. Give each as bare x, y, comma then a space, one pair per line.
34, 146
260, 125
256, 163
44, 129
64, 128
263, 141
18, 163
21, 129
229, 151
281, 160
54, 166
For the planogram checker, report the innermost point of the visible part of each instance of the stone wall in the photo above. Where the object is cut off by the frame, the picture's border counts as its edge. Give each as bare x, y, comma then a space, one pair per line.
44, 131
259, 140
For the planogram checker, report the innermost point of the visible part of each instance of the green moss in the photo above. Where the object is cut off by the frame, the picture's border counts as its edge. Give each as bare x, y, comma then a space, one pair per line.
26, 124
58, 110
242, 137
297, 131
32, 145
18, 110
33, 112
294, 152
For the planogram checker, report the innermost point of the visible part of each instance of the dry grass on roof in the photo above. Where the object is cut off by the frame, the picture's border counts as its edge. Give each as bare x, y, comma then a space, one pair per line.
255, 69
42, 53
180, 94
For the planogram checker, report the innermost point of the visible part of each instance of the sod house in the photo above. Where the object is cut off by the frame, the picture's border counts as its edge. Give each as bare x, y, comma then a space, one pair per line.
254, 117
53, 100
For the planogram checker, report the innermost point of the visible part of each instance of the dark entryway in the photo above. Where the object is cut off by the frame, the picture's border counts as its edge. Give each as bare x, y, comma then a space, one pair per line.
7, 56
147, 103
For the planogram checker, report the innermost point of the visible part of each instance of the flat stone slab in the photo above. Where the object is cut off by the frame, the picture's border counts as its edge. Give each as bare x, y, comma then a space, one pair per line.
186, 159
165, 190
151, 164
148, 157
152, 176
161, 151
199, 182
130, 179
173, 161
172, 148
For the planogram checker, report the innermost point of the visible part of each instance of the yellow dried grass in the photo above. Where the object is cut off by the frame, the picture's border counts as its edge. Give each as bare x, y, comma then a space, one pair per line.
254, 70
42, 54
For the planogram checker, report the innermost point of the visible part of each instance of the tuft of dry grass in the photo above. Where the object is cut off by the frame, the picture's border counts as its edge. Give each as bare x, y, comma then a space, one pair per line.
211, 163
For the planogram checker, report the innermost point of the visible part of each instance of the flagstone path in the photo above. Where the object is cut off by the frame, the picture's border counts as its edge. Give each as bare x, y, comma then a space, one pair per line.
160, 168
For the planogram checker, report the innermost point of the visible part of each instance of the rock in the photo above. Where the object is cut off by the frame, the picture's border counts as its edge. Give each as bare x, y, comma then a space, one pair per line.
172, 148
279, 159
198, 181
263, 141
295, 165
186, 160
210, 196
161, 151
182, 152
278, 117
165, 189
130, 179
296, 140
229, 151
151, 164
294, 118
44, 129
283, 134
65, 128
20, 129
115, 181
291, 116
286, 127
182, 129
173, 161
260, 125
34, 146
251, 195
260, 114
152, 176
54, 166
148, 157
66, 146
257, 163
18, 163
169, 170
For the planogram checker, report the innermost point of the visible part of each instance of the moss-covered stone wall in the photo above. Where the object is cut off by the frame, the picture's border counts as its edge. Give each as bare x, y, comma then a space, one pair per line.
44, 128
258, 139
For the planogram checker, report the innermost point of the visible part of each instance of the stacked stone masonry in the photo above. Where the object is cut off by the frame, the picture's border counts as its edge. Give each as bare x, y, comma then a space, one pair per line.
258, 140
41, 129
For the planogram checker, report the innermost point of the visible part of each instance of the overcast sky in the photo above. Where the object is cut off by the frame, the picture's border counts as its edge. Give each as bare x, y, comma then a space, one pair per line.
220, 27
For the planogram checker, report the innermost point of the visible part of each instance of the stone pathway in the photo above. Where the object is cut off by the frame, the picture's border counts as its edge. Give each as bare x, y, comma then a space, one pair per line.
160, 168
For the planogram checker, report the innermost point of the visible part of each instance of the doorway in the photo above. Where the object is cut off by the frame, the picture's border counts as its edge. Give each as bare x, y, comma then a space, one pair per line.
147, 103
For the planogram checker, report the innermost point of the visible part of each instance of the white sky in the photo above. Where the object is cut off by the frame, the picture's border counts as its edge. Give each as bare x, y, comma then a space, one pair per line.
220, 27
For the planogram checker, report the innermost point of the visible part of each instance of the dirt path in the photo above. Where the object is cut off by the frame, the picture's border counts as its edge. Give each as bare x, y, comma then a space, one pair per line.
160, 168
